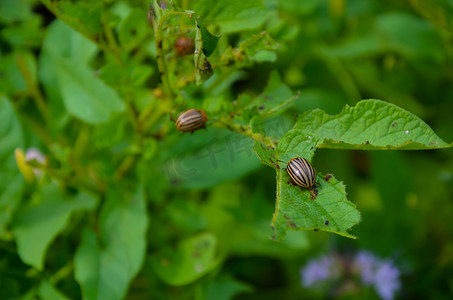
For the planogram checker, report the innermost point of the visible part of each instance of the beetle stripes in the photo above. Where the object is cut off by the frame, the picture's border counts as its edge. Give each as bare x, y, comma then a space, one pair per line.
301, 172
191, 120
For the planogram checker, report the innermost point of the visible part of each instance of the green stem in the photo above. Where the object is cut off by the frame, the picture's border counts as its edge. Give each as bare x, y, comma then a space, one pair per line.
62, 273
225, 123
32, 87
111, 40
161, 64
160, 55
75, 181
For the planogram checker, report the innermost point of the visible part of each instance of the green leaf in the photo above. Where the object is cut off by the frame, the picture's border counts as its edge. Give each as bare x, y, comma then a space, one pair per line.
295, 210
220, 156
226, 288
11, 191
11, 135
22, 35
410, 36
13, 10
232, 15
437, 12
134, 29
12, 181
266, 153
209, 40
83, 16
47, 291
106, 272
13, 68
128, 75
63, 41
370, 125
36, 225
330, 211
85, 96
300, 7
275, 99
203, 68
110, 133
193, 258
256, 49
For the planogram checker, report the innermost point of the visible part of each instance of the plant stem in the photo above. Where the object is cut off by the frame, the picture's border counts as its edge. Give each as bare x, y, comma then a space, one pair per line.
225, 123
111, 41
32, 87
160, 55
62, 273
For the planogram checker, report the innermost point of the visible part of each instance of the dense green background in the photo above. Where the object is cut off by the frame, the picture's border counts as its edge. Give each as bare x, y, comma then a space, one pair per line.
80, 80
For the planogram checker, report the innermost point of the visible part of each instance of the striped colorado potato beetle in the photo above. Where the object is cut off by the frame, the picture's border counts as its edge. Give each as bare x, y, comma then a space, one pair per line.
191, 120
302, 174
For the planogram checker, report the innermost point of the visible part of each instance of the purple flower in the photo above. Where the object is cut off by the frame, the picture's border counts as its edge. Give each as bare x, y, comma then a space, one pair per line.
365, 263
318, 270
35, 154
383, 275
386, 281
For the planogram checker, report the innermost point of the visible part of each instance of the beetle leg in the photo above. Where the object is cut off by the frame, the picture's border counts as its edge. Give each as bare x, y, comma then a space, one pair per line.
313, 194
291, 182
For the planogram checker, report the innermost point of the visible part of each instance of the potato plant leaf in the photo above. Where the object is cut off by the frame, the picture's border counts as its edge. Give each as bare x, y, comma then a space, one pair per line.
83, 16
209, 40
232, 15
12, 181
105, 272
47, 291
203, 69
295, 210
266, 153
193, 258
37, 225
330, 211
255, 49
370, 125
85, 96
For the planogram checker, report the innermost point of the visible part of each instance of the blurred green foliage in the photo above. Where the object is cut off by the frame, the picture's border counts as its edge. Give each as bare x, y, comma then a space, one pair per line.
122, 205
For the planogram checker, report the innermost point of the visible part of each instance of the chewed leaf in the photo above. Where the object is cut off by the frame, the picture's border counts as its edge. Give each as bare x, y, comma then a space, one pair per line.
256, 49
371, 124
203, 69
330, 211
276, 97
295, 209
296, 144
266, 153
209, 40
